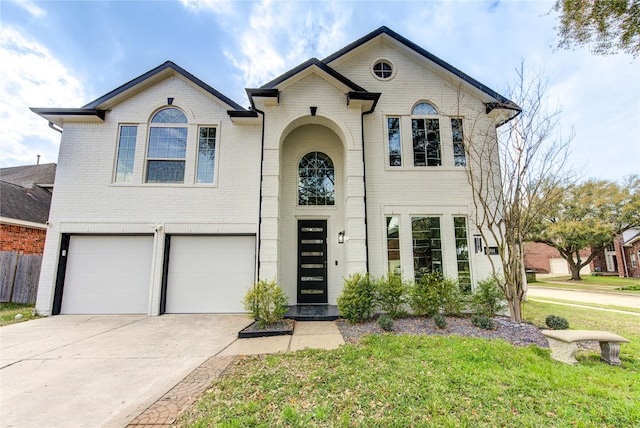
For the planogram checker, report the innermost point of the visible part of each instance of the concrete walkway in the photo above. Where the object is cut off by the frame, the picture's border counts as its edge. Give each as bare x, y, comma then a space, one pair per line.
110, 371
580, 296
306, 334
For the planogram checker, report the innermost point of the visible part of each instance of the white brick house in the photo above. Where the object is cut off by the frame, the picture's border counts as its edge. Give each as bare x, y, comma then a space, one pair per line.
172, 198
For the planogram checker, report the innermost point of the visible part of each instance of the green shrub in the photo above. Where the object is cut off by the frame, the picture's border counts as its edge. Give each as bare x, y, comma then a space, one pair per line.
482, 321
356, 303
391, 294
266, 302
433, 292
487, 299
440, 320
385, 322
556, 323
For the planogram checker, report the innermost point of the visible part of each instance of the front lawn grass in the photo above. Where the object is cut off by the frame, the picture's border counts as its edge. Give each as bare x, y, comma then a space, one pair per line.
435, 381
8, 312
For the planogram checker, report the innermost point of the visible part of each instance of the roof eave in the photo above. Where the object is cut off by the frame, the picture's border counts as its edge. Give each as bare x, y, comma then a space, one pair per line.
59, 115
363, 99
244, 117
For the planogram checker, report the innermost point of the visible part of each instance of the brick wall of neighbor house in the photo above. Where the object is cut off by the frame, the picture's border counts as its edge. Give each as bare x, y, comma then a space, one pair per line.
599, 262
632, 271
537, 255
23, 240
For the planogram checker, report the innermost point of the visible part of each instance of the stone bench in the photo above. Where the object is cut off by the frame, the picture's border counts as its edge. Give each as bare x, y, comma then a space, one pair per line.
563, 344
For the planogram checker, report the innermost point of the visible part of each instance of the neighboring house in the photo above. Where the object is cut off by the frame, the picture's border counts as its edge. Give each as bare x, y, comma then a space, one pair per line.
25, 197
543, 258
172, 198
627, 249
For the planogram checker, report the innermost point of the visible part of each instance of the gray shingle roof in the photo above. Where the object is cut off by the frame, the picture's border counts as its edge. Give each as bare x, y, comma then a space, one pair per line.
27, 176
21, 196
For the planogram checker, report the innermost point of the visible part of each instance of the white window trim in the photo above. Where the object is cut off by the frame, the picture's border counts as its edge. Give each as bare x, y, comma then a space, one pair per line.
394, 69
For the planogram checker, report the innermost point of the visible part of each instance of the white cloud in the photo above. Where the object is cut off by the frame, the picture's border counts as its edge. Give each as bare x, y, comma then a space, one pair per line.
281, 35
30, 7
31, 77
221, 7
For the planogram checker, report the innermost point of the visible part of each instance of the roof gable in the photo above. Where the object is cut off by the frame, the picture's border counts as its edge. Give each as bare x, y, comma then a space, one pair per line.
500, 100
96, 110
319, 66
158, 73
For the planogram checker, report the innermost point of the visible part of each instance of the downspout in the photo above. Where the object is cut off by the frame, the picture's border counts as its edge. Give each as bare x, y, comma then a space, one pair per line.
260, 201
364, 183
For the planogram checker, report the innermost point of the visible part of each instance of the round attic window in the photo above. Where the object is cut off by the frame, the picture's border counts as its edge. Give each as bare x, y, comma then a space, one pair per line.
383, 69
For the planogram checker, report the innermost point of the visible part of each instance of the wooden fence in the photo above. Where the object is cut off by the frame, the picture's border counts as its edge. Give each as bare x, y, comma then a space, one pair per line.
19, 275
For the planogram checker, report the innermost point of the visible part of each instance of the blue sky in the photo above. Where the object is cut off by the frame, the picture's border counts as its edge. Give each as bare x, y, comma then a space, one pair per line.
66, 54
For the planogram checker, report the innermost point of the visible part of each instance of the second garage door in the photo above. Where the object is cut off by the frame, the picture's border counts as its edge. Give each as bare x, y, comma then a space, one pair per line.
209, 274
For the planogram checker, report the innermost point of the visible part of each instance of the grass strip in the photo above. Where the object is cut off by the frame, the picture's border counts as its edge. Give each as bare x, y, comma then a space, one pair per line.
8, 312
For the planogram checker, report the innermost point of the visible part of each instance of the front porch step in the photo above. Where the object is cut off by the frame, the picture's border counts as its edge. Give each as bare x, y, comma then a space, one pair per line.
313, 313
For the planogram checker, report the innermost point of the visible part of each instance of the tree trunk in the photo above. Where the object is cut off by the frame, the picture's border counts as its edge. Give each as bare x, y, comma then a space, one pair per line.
515, 309
575, 272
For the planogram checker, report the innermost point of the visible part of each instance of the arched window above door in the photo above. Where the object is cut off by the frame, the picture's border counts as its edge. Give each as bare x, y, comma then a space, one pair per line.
316, 180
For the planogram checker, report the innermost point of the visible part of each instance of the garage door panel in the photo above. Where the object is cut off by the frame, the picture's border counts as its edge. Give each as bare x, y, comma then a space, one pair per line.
107, 275
209, 274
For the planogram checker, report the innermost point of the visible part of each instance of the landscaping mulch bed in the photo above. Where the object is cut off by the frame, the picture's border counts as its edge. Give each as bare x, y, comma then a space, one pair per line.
519, 334
277, 328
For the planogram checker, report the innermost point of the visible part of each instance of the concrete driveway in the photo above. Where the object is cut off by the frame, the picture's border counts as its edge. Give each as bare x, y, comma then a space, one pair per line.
101, 371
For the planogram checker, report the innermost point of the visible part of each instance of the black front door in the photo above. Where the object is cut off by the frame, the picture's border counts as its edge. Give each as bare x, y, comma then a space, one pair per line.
312, 261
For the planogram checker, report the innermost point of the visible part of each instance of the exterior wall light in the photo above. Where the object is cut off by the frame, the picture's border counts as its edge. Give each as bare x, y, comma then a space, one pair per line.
477, 241
341, 237
170, 101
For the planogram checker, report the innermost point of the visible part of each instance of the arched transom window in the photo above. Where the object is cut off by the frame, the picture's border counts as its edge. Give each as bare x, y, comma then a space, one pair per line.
423, 109
316, 180
167, 147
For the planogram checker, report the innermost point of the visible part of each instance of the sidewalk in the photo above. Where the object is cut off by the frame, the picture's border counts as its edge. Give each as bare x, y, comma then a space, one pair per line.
580, 296
306, 334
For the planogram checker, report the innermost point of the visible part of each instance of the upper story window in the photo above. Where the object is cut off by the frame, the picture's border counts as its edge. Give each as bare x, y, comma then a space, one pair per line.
316, 180
167, 147
395, 151
126, 153
426, 136
383, 69
206, 155
459, 154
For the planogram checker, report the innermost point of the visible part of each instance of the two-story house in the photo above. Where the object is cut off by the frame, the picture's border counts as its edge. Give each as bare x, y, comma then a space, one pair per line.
172, 198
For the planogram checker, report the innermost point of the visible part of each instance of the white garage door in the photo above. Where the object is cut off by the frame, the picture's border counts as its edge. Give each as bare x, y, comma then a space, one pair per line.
209, 274
107, 275
559, 266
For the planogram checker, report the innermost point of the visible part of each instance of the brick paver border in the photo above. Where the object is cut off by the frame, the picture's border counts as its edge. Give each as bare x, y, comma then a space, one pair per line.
166, 410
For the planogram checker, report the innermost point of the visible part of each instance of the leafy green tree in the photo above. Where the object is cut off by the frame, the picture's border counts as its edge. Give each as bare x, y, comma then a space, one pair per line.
608, 26
589, 216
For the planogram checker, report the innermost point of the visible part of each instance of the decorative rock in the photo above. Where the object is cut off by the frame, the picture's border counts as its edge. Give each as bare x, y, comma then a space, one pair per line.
19, 316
